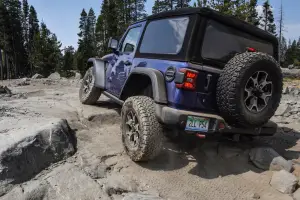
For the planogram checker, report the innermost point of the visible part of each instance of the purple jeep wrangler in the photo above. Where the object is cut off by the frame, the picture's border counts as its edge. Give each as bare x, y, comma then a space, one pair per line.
192, 71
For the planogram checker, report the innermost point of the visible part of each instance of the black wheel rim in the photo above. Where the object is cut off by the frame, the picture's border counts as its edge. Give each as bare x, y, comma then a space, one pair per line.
258, 91
132, 130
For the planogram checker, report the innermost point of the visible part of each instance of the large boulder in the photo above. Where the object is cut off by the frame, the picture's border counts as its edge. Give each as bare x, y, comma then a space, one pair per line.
26, 151
284, 182
268, 159
54, 76
37, 76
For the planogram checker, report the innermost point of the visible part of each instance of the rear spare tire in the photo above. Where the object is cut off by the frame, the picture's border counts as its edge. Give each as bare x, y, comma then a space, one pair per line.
249, 89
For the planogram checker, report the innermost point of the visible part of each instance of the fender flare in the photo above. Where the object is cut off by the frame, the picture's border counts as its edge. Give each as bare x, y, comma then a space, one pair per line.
157, 81
99, 66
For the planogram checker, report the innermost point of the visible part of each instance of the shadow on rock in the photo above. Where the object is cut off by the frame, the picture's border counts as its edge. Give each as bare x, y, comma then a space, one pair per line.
221, 157
284, 142
109, 104
171, 158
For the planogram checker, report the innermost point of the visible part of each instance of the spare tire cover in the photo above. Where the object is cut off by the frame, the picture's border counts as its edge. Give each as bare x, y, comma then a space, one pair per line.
249, 89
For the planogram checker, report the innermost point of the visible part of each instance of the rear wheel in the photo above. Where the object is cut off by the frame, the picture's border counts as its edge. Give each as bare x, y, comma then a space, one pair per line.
141, 132
88, 92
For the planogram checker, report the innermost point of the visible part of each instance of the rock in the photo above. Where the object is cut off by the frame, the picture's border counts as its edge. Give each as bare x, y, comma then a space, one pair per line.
296, 170
77, 76
283, 109
296, 92
280, 163
70, 183
284, 182
227, 151
96, 171
256, 196
285, 90
5, 90
37, 76
295, 110
54, 76
23, 82
262, 157
141, 196
291, 102
112, 161
25, 152
296, 195
118, 184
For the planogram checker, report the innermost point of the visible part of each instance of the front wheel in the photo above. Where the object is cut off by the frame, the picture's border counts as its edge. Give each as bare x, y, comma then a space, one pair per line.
88, 92
141, 132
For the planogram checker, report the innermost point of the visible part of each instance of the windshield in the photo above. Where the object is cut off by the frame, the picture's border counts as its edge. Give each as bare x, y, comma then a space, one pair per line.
222, 42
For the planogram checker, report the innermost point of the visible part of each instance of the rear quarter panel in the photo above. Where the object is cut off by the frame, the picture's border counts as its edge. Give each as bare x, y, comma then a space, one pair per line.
177, 98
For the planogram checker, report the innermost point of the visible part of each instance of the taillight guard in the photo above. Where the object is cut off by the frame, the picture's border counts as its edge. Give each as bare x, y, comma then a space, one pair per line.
186, 79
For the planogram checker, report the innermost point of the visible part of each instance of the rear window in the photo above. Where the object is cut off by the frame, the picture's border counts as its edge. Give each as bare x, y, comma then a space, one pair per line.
222, 42
164, 36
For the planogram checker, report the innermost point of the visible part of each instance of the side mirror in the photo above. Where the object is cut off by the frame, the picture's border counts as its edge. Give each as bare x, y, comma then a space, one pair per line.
113, 43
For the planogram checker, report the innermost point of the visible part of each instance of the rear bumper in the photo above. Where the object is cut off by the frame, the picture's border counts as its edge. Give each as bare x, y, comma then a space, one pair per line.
177, 119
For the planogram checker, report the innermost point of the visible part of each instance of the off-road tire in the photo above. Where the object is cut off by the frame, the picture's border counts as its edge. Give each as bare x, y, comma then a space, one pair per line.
150, 138
93, 94
231, 84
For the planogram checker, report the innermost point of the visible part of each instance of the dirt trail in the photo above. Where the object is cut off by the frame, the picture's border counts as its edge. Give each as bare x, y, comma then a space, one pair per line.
101, 170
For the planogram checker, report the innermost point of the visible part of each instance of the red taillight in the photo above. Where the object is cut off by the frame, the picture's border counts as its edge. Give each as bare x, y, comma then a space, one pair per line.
250, 49
189, 80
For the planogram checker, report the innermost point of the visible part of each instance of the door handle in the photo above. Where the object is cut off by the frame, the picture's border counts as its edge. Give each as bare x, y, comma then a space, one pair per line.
127, 62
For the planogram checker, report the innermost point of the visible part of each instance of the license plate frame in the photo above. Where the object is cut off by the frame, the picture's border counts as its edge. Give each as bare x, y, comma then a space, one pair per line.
197, 124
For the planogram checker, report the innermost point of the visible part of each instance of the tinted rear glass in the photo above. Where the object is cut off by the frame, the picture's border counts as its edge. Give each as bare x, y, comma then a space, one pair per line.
222, 42
164, 36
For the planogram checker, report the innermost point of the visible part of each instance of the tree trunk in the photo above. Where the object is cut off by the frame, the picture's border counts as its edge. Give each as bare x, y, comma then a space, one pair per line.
1, 65
7, 65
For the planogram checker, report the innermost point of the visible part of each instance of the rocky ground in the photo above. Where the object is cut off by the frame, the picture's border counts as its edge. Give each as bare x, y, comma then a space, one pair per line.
53, 147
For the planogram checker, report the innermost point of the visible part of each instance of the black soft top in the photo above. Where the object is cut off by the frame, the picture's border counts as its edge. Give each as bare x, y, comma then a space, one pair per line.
226, 19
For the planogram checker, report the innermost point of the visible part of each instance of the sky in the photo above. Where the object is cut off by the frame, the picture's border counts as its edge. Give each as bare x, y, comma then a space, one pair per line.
62, 16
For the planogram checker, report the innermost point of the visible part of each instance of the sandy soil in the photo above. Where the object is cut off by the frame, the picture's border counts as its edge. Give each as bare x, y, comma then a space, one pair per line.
218, 169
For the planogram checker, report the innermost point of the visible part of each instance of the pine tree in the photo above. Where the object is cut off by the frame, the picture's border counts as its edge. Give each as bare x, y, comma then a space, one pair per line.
100, 36
182, 4
202, 3
282, 50
157, 7
223, 6
268, 18
163, 5
82, 28
17, 54
253, 17
68, 59
281, 28
25, 21
90, 30
33, 31
138, 7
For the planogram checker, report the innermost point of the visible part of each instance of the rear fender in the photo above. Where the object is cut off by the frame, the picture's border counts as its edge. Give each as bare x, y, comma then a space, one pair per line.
157, 82
99, 66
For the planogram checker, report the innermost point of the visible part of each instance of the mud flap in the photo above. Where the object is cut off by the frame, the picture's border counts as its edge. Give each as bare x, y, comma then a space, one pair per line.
99, 68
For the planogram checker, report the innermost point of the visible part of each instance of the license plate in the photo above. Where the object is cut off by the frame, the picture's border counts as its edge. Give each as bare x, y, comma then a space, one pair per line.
197, 124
